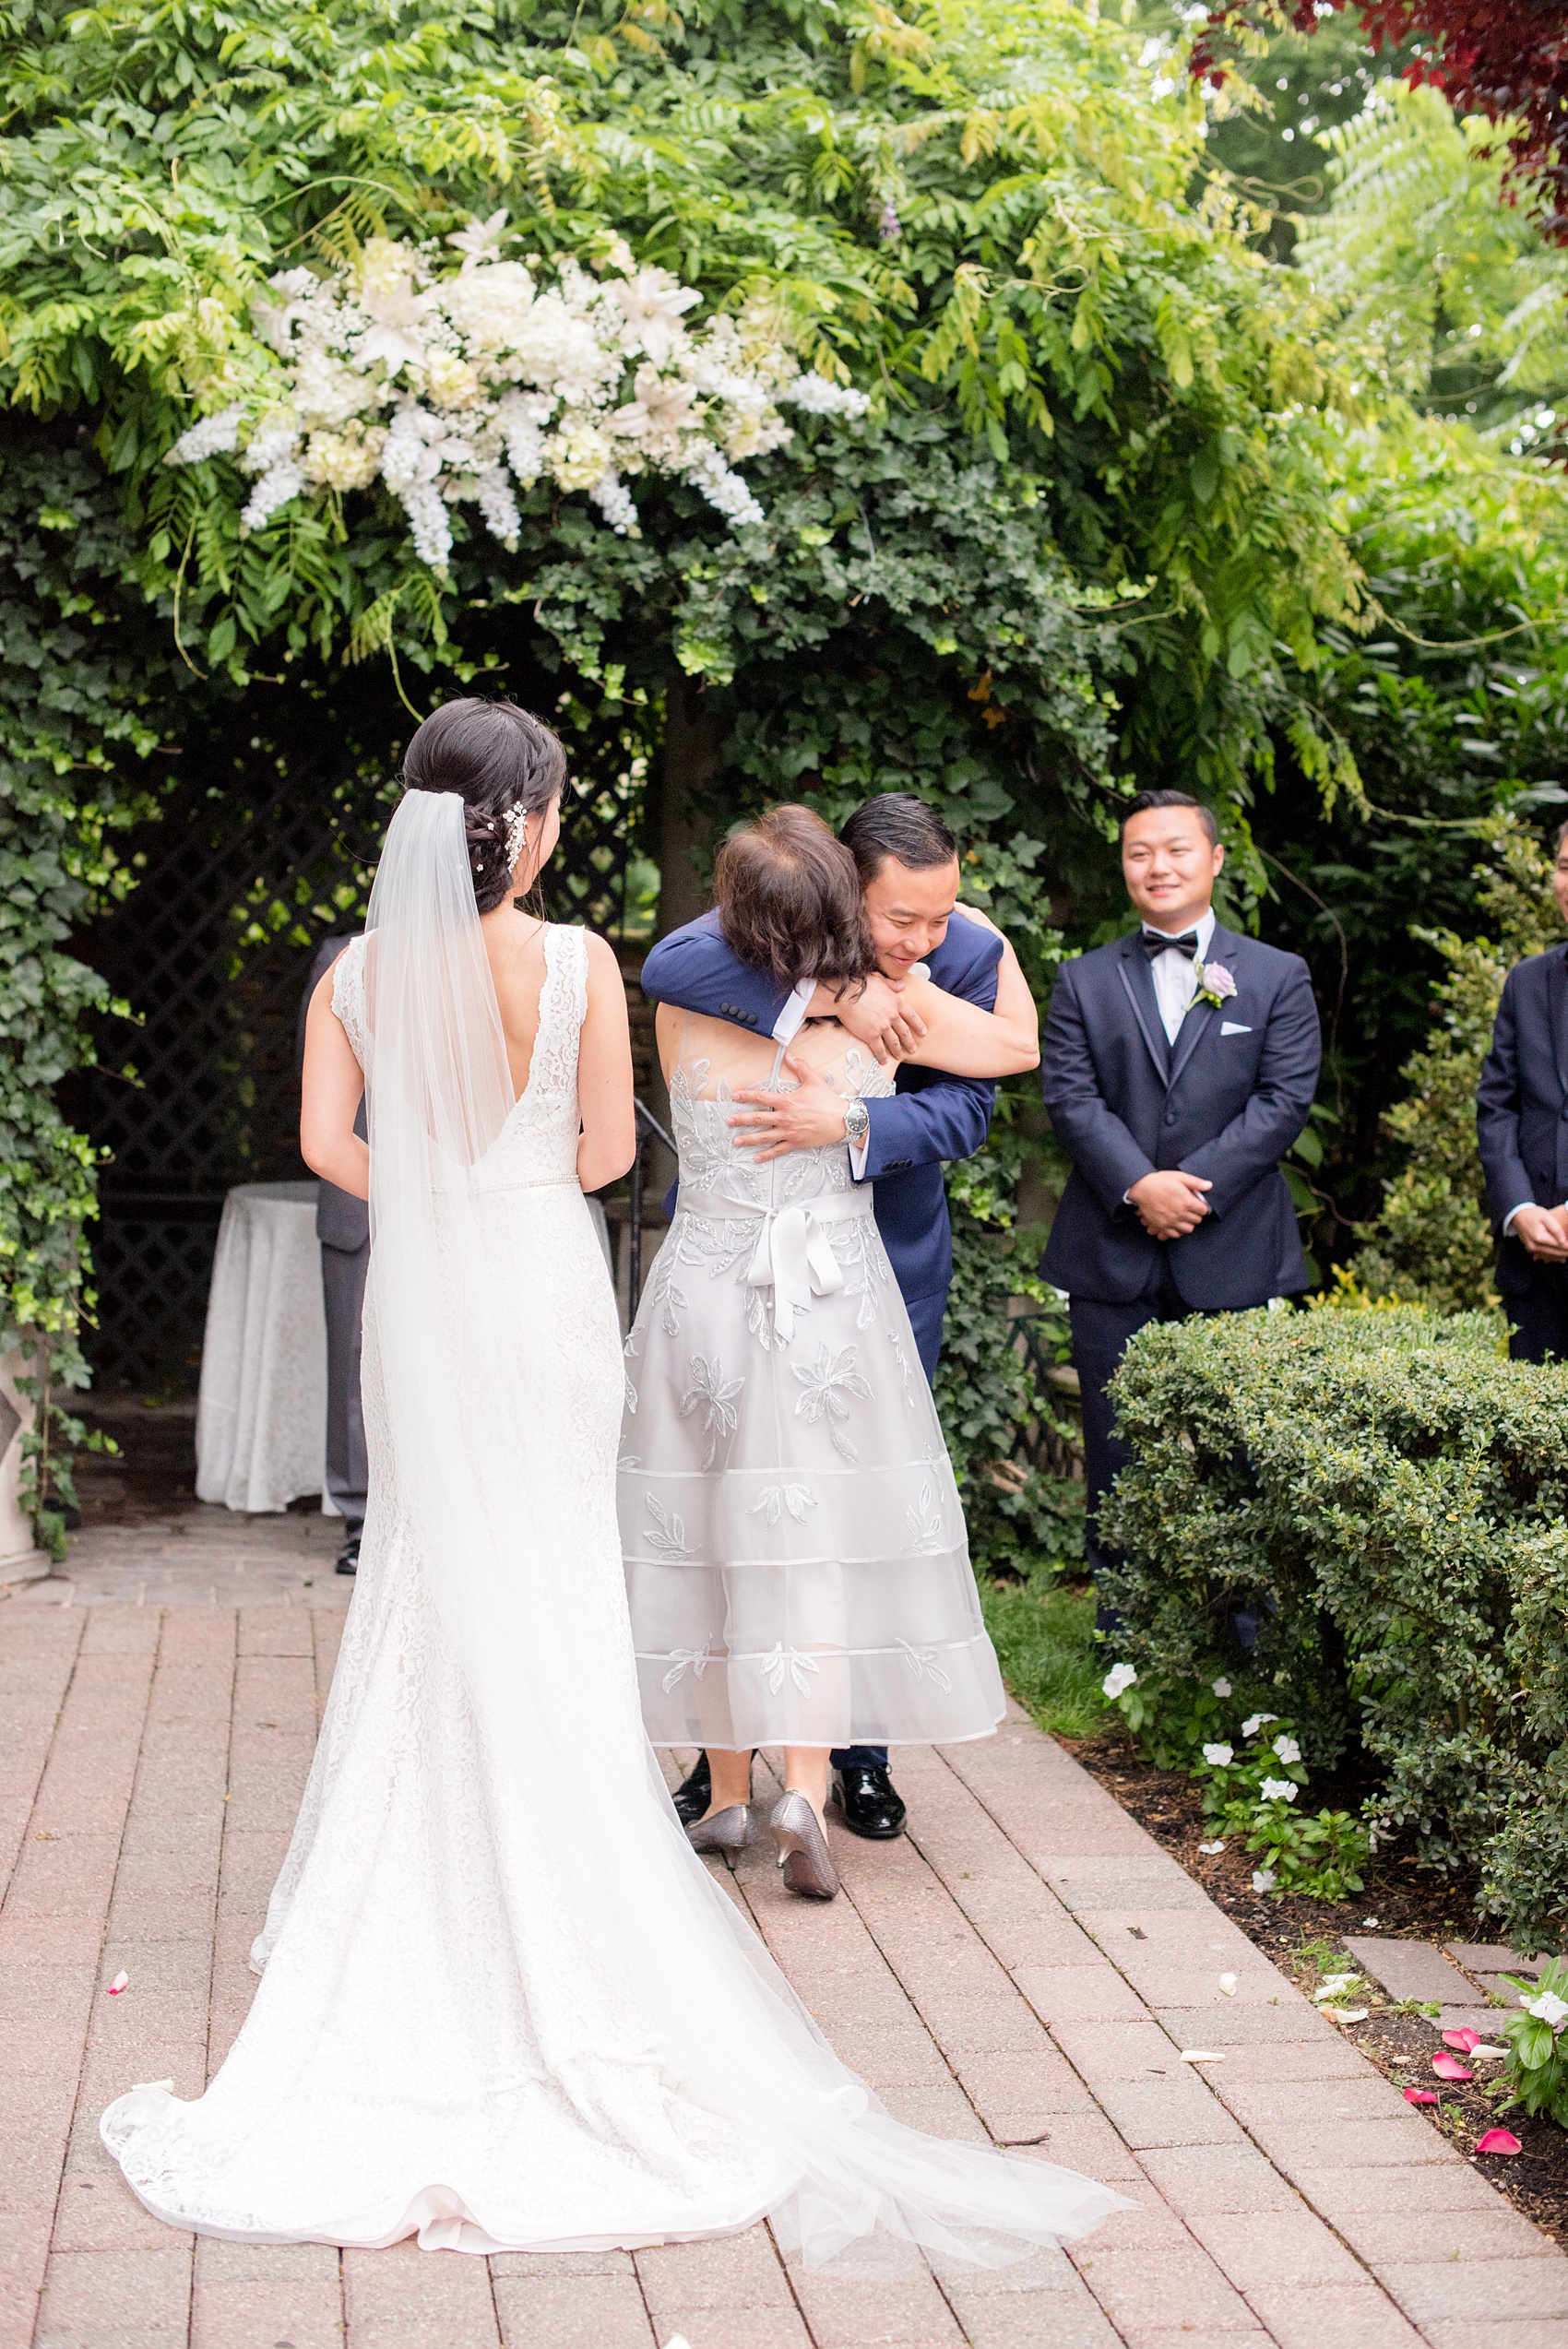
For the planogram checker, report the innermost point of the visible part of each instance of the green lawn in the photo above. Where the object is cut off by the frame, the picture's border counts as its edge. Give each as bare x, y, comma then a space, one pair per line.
1043, 1632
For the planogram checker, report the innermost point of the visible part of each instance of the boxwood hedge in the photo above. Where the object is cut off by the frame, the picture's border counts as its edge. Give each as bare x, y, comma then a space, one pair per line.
1377, 1499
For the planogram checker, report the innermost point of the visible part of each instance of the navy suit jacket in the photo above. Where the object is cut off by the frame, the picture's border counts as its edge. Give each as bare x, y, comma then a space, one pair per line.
1224, 1104
930, 1118
1522, 1104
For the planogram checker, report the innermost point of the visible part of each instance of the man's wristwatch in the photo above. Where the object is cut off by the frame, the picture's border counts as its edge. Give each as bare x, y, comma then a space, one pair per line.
857, 1124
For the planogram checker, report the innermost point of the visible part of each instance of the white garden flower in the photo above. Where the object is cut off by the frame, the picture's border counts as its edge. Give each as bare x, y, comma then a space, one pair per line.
1220, 1688
654, 303
819, 398
1288, 1749
468, 382
1278, 1790
614, 502
1250, 1728
1119, 1678
212, 437
1218, 1757
1264, 1880
1547, 2007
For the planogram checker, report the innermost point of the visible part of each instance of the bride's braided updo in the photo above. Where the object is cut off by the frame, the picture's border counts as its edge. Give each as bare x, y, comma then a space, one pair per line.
503, 763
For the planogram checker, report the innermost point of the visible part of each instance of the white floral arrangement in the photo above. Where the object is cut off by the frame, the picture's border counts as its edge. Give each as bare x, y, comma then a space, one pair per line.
459, 387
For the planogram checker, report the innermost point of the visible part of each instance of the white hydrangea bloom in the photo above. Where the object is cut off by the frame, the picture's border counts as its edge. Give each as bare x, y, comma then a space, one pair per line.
465, 386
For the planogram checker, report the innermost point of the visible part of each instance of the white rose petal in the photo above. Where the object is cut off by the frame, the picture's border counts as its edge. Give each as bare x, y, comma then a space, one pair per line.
1217, 1847
1228, 1983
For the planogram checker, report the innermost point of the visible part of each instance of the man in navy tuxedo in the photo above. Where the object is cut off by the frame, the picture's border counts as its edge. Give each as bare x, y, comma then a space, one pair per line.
1522, 1124
1178, 1065
909, 866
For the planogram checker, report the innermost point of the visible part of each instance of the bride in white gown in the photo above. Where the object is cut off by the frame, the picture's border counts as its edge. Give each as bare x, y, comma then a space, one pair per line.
503, 2005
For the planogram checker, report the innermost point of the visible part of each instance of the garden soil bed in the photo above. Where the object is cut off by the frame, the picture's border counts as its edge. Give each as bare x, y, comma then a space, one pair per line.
1303, 1937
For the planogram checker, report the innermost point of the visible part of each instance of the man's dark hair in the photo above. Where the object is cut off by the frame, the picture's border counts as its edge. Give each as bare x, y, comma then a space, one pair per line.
1562, 836
896, 825
1173, 800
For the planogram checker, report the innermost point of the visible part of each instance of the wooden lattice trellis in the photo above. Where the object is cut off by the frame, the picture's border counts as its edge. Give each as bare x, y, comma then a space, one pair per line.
239, 880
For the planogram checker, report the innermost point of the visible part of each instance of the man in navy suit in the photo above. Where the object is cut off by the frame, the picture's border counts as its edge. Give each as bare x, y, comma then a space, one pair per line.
1178, 1065
909, 866
1522, 1123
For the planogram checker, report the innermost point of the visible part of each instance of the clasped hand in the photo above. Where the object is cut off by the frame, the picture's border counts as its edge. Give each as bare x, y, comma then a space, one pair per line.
1544, 1231
1171, 1204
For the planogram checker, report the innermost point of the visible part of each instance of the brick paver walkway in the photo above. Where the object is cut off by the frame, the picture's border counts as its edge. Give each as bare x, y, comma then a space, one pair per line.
1027, 1963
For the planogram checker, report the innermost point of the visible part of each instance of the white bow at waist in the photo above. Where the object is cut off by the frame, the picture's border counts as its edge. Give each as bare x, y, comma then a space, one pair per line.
794, 1255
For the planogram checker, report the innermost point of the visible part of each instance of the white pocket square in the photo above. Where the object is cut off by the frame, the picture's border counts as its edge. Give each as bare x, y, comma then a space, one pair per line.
1233, 1027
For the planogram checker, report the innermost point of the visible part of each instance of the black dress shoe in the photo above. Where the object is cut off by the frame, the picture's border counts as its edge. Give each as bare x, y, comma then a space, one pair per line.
871, 1804
693, 1794
349, 1556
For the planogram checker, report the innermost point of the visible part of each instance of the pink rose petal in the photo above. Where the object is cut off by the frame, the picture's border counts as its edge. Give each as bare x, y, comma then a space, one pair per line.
1450, 2068
1498, 2141
1466, 2041
118, 1985
1420, 2095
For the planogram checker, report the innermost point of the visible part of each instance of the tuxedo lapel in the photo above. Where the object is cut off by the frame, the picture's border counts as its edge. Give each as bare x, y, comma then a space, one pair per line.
1201, 1018
1557, 1009
1137, 980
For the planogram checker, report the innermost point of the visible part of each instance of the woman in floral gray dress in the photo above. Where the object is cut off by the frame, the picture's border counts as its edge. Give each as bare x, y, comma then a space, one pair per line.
796, 1556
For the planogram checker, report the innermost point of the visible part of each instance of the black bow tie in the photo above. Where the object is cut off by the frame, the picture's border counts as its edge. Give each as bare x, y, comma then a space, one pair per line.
1154, 943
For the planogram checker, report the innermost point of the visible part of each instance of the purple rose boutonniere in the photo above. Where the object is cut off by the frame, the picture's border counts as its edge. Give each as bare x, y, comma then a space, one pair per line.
1216, 985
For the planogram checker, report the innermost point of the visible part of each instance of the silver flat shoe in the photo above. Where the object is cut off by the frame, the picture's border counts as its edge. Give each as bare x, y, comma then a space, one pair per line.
802, 1849
722, 1831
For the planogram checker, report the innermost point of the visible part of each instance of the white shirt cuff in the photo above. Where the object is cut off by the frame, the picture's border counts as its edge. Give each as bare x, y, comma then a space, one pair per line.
787, 1026
859, 1153
1508, 1219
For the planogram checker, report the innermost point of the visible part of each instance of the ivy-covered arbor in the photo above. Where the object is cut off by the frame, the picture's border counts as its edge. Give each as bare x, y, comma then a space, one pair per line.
1070, 538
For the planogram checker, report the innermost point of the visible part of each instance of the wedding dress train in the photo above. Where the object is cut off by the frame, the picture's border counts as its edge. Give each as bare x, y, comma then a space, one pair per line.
503, 2005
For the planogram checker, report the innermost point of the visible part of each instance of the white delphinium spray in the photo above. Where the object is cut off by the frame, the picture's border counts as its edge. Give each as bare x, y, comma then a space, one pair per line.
471, 386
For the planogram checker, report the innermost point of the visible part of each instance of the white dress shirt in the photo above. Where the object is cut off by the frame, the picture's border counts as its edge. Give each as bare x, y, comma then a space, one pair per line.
1175, 976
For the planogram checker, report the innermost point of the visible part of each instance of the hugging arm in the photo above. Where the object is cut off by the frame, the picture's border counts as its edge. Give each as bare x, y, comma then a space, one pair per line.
695, 971
964, 1037
331, 1087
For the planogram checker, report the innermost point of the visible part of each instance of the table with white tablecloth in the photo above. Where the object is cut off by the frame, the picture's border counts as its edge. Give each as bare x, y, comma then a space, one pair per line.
261, 1418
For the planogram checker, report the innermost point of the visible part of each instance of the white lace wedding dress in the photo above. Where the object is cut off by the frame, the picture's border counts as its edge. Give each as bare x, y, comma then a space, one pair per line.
504, 2003
796, 1557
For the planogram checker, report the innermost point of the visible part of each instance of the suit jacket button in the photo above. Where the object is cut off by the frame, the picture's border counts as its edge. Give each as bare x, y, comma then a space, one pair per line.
1169, 1117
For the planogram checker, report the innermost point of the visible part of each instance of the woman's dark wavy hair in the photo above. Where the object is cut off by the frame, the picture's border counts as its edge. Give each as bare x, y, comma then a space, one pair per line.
788, 896
496, 757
